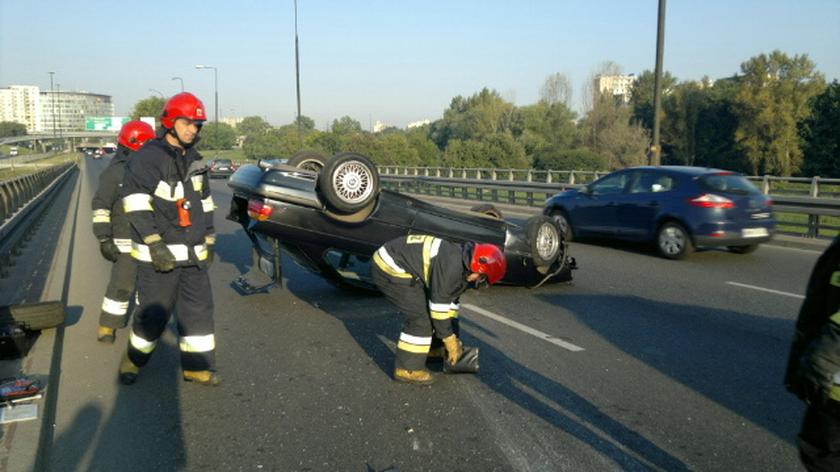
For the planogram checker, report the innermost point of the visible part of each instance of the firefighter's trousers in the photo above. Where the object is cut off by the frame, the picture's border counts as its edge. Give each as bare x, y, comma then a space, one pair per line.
409, 296
118, 294
185, 292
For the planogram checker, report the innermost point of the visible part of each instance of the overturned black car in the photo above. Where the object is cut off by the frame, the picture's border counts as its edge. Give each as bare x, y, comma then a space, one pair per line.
331, 215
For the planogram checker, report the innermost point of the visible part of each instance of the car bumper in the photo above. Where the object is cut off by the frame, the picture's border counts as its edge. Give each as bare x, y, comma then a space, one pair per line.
730, 235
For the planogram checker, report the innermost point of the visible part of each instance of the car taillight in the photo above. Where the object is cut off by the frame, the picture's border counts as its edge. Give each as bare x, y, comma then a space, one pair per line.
259, 210
710, 200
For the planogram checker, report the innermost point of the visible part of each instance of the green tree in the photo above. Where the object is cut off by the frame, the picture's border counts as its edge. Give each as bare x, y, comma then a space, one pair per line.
252, 126
476, 117
774, 96
544, 125
428, 153
607, 130
217, 136
569, 159
12, 128
263, 146
463, 154
306, 123
557, 88
641, 98
820, 134
345, 125
152, 106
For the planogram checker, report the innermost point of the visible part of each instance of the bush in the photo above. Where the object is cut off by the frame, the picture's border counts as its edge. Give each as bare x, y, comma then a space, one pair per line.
569, 159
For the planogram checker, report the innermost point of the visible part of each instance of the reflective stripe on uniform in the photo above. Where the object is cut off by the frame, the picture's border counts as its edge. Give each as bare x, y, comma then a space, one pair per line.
835, 318
387, 264
102, 215
164, 191
197, 182
124, 245
431, 245
114, 307
415, 344
179, 251
137, 202
454, 308
835, 279
141, 344
207, 204
204, 343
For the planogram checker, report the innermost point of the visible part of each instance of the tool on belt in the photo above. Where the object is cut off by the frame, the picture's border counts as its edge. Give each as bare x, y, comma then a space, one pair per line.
184, 212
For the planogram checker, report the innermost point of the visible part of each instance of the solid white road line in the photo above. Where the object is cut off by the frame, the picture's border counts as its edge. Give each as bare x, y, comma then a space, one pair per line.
777, 292
522, 327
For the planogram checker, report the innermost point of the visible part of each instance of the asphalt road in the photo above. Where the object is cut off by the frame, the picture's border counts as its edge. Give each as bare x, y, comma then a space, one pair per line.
640, 364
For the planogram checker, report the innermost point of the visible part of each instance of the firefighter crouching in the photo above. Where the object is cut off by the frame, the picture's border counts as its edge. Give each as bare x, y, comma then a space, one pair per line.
113, 231
424, 276
813, 371
167, 200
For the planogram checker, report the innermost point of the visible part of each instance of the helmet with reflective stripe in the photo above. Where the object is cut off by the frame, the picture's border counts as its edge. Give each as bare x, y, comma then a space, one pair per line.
183, 105
489, 260
134, 134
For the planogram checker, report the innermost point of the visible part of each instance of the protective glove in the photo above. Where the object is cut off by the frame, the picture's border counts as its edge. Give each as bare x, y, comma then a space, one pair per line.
454, 348
162, 258
210, 242
109, 250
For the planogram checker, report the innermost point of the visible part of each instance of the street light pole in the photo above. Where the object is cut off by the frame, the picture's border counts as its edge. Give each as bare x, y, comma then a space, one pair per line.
297, 73
60, 132
216, 91
157, 92
656, 153
182, 82
52, 99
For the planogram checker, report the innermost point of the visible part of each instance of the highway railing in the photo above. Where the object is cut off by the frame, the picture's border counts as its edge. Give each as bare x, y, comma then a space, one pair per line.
793, 196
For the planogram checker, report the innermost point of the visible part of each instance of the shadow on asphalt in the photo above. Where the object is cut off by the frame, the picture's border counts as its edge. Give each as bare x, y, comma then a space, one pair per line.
234, 249
705, 349
512, 380
143, 431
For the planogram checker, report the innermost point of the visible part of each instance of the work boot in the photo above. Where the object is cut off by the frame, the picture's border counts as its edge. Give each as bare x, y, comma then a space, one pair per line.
128, 371
420, 377
202, 377
106, 335
454, 348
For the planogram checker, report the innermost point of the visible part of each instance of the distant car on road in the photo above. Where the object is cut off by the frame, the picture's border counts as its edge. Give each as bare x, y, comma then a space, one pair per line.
13, 152
222, 168
677, 207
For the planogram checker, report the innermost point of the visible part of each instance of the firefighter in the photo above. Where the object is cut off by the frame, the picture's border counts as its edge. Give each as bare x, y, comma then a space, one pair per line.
114, 233
813, 371
166, 196
424, 276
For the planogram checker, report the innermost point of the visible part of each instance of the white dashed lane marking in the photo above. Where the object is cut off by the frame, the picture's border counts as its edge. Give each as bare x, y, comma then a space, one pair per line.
521, 327
769, 290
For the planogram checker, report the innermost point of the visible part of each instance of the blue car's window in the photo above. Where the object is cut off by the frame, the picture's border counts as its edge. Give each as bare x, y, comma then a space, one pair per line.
611, 184
728, 183
651, 182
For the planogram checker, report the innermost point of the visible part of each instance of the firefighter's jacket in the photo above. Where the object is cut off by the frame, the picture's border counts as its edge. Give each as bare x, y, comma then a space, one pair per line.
159, 182
442, 266
109, 220
818, 322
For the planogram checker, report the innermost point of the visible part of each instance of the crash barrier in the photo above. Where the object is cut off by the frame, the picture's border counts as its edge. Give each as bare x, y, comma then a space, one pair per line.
534, 193
20, 196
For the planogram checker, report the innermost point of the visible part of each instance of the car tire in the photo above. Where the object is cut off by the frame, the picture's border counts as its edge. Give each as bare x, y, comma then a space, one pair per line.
545, 239
489, 210
308, 160
746, 249
33, 316
673, 241
348, 183
562, 220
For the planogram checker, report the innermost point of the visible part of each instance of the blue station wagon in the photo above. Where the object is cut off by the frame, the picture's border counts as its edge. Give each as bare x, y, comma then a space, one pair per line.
677, 207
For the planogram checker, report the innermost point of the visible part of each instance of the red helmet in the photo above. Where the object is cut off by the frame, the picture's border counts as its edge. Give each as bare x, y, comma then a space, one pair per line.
489, 260
183, 105
134, 134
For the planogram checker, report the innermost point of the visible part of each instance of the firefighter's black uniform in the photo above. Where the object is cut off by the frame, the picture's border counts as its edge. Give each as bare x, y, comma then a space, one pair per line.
158, 182
818, 329
424, 276
110, 223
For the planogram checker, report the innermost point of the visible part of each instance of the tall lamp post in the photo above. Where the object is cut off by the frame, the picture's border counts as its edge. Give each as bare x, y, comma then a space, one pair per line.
182, 82
216, 91
157, 92
655, 155
297, 72
52, 96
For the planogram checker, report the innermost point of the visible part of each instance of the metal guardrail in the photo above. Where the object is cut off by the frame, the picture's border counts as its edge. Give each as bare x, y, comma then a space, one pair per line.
19, 197
531, 193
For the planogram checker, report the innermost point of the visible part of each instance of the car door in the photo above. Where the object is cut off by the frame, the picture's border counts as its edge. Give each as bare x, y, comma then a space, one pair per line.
595, 209
641, 204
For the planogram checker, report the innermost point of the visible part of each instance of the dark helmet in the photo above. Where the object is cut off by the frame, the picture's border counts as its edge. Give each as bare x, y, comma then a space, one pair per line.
183, 105
489, 260
134, 134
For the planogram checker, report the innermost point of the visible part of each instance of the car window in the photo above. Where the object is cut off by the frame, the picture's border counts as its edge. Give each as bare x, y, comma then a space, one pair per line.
652, 182
223, 162
611, 184
729, 183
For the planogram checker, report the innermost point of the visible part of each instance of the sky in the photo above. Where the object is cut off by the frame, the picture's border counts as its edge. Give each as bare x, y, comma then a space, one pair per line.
384, 60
